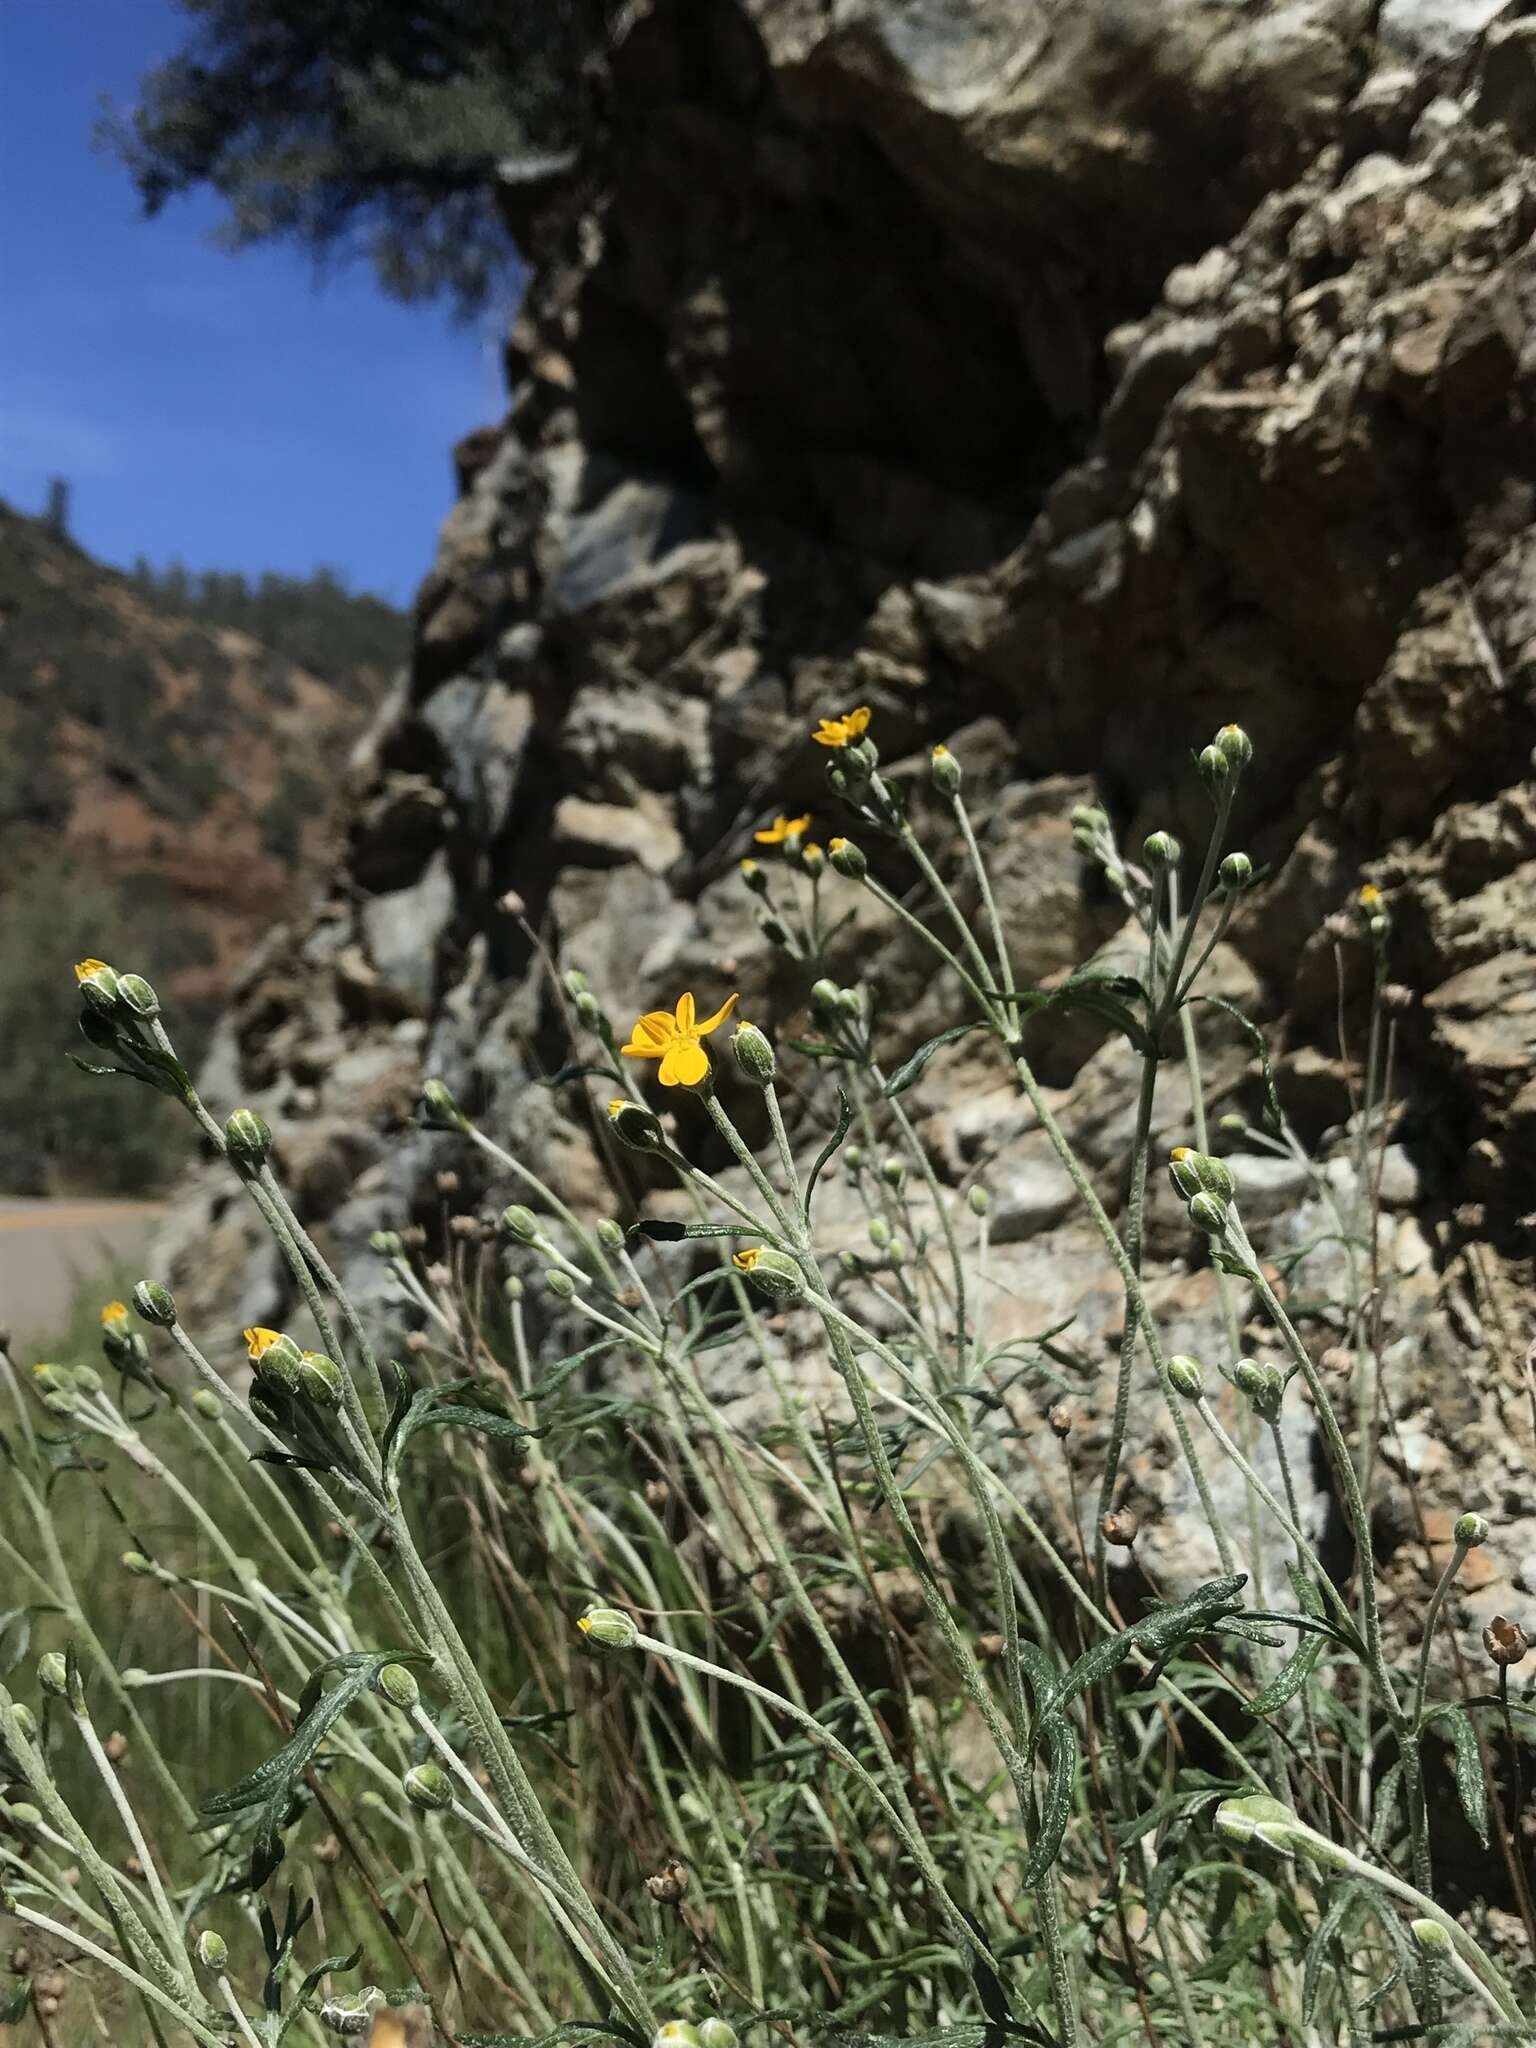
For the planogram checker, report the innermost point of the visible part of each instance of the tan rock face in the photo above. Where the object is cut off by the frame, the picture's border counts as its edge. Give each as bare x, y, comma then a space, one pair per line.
847, 374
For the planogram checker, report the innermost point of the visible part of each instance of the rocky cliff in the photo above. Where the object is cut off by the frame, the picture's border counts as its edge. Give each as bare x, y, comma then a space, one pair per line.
1067, 379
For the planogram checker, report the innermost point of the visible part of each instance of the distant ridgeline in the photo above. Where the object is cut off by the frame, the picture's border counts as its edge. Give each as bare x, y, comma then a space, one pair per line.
168, 753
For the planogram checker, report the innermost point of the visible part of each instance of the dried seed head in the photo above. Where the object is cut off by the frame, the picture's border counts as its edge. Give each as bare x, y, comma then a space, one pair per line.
1120, 1528
1060, 1418
1339, 1360
657, 1493
1505, 1641
1397, 998
989, 1647
447, 1182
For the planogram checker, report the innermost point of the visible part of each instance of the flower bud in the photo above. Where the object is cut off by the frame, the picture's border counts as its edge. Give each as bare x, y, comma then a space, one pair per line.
319, 1379
26, 1721
1186, 1376
635, 1126
824, 996
754, 1054
207, 1403
853, 1161
134, 1678
978, 1200
398, 1685
677, 2034
1257, 1819
755, 876
893, 1172
847, 859
1264, 1385
427, 1787
275, 1356
879, 1232
98, 985
386, 1243
1505, 1641
610, 1235
1235, 872
1430, 1936
944, 772
137, 995
138, 1564
53, 1675
212, 1951
439, 1111
156, 1304
773, 1273
560, 1284
812, 859
850, 1002
575, 982
87, 1380
249, 1139
589, 1009
1214, 767
608, 1627
521, 1223
59, 1403
512, 1287
1120, 1528
1209, 1214
716, 2033
1234, 1123
1470, 1531
1198, 1173
774, 930
1161, 850
1235, 745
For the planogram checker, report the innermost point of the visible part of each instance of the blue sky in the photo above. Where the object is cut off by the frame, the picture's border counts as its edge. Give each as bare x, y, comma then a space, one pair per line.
224, 409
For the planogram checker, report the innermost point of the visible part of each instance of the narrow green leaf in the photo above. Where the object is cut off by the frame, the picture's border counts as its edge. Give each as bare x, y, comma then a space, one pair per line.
1060, 1742
911, 1070
825, 1155
1471, 1785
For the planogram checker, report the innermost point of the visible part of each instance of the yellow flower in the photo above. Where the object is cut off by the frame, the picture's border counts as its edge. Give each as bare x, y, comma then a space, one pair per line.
781, 829
618, 1105
113, 1313
838, 732
1179, 1152
674, 1040
1370, 896
259, 1341
747, 1259
84, 969
836, 845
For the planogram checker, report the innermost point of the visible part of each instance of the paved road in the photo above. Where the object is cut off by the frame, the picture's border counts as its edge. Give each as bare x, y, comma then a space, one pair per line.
47, 1247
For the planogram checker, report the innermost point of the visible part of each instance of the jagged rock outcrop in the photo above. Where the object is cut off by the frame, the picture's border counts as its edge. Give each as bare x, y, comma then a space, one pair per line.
1070, 380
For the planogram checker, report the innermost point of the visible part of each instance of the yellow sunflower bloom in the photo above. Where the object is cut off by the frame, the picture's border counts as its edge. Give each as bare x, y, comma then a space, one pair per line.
673, 1038
841, 732
781, 829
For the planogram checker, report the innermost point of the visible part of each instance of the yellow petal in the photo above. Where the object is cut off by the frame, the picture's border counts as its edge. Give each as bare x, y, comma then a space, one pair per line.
795, 826
685, 1014
114, 1312
84, 969
830, 733
857, 722
652, 1034
748, 1257
259, 1340
714, 1023
685, 1065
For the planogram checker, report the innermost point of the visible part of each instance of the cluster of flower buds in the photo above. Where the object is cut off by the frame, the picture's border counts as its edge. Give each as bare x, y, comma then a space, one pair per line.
1262, 1383
1093, 835
1226, 757
710, 2033
831, 1003
1375, 918
1206, 1185
121, 1344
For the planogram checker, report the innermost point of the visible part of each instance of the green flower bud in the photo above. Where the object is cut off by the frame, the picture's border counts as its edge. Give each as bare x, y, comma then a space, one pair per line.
87, 1380
773, 930
156, 1304
57, 1402
1209, 1213
398, 1686
560, 1284
319, 1379
847, 859
945, 772
1186, 1376
893, 1172
773, 1273
97, 983
610, 1235
138, 1564
53, 1675
576, 983
1235, 872
755, 876
137, 995
1235, 746
677, 2034
24, 1814
26, 1720
213, 1951
635, 1126
134, 1678
1198, 1173
812, 859
850, 1003
1471, 1531
753, 1054
978, 1200
853, 1160
521, 1223
277, 1359
1214, 767
879, 1232
609, 1627
512, 1287
716, 2033
207, 1404
427, 1787
386, 1243
1234, 1123
896, 1252
439, 1111
1161, 849
824, 995
1430, 1936
1257, 1819
249, 1139
1264, 1385
49, 1378
589, 1009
